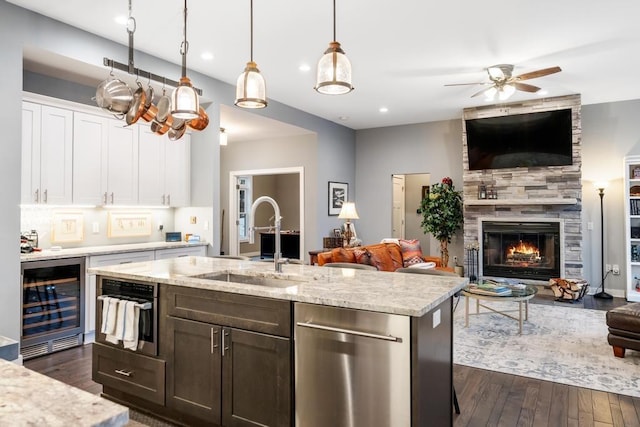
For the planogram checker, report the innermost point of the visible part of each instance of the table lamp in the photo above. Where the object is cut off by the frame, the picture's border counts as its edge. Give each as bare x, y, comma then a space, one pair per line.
348, 212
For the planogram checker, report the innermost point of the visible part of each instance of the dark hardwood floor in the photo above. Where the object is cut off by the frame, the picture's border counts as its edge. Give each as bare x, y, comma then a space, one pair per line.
486, 398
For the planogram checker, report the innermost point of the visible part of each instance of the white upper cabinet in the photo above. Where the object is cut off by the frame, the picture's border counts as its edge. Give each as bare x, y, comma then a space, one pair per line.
105, 168
120, 172
163, 169
47, 144
90, 135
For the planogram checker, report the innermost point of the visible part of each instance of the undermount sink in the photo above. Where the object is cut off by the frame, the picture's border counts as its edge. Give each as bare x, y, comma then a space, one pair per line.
272, 282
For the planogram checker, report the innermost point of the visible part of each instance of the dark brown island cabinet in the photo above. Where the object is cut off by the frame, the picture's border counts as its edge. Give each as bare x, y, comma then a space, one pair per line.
227, 359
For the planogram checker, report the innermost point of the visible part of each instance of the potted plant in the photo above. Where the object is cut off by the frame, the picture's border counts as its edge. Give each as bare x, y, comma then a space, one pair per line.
442, 214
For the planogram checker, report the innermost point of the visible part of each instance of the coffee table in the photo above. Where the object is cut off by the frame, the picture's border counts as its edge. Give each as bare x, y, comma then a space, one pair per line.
521, 296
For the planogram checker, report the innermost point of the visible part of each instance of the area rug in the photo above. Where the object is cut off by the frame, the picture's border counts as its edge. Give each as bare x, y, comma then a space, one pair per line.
559, 344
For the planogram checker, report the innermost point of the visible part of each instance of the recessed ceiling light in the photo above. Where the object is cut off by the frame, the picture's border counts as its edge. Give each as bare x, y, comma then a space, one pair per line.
304, 67
207, 56
121, 20
344, 118
383, 109
542, 92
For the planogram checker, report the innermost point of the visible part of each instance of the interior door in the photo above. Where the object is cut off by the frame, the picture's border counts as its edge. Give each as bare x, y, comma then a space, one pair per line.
398, 207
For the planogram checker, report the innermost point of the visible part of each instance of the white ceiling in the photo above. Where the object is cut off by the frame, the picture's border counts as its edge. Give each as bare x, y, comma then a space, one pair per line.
403, 52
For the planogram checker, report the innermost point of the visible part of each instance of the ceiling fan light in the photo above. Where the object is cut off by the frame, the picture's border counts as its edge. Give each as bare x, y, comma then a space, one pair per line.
334, 72
251, 91
490, 94
495, 73
505, 92
184, 101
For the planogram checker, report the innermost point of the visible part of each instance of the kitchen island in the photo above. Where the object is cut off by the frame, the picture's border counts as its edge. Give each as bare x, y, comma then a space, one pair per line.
226, 331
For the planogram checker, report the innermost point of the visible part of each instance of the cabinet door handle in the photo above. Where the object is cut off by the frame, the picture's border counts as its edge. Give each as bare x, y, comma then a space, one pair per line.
46, 197
37, 195
168, 199
111, 198
214, 340
163, 199
225, 333
123, 372
105, 197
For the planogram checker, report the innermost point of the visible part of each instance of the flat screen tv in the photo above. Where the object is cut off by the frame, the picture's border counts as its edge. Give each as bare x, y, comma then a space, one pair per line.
520, 140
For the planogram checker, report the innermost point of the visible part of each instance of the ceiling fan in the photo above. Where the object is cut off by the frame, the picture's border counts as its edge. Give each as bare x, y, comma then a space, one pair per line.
504, 83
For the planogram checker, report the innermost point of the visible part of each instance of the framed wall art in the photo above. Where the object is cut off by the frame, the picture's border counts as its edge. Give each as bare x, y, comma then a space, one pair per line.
338, 194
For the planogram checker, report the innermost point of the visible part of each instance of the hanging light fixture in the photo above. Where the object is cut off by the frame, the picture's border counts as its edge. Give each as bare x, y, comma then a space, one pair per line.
251, 91
185, 98
223, 136
334, 68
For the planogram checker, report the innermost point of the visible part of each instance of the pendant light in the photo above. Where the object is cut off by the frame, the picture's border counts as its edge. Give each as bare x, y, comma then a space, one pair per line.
185, 98
251, 91
334, 68
223, 136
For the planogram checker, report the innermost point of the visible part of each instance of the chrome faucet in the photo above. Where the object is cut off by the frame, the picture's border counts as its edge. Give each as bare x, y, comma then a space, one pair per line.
277, 256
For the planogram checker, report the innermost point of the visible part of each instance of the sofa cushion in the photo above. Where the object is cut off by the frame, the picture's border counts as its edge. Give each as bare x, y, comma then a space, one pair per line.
411, 252
380, 257
396, 255
342, 255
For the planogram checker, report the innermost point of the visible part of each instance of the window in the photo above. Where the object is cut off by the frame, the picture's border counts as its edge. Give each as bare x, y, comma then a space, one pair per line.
243, 186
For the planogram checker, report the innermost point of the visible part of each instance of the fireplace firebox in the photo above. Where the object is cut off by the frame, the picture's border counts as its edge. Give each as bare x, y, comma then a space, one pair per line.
521, 249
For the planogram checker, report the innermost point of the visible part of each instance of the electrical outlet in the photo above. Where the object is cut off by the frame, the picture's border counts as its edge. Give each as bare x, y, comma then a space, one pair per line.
193, 220
616, 269
608, 267
96, 227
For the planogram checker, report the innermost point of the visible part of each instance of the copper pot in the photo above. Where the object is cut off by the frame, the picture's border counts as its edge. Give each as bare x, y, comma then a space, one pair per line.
200, 122
150, 110
175, 133
161, 128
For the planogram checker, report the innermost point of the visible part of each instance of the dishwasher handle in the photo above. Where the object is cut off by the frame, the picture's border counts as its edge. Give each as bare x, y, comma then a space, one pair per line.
349, 331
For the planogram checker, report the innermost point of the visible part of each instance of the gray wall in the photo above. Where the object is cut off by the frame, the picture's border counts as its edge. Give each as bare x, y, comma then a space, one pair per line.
412, 200
434, 148
294, 151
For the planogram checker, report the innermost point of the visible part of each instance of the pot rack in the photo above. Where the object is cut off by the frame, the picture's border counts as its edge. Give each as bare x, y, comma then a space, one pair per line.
130, 68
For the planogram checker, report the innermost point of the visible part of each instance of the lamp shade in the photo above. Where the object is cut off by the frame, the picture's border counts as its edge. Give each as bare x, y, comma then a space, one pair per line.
600, 185
334, 72
223, 136
348, 211
184, 101
251, 91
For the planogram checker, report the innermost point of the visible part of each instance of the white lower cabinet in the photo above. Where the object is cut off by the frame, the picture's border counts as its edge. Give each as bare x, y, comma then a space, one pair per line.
181, 252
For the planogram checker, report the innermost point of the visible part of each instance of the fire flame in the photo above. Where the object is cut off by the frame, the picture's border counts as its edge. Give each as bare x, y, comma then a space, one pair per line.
523, 248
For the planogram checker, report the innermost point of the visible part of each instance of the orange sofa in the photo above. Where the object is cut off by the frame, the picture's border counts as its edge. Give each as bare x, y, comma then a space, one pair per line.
383, 256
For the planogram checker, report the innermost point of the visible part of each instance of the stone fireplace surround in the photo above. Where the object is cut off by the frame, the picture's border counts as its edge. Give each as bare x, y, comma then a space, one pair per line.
553, 192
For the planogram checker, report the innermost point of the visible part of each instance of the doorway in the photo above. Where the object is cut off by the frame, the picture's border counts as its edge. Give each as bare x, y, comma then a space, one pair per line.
286, 180
408, 190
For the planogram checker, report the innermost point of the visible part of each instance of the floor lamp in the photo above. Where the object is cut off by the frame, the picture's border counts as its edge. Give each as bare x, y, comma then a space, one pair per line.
602, 294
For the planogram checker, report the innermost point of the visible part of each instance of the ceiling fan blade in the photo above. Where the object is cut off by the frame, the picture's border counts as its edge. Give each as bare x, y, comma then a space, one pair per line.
526, 87
467, 84
538, 73
482, 91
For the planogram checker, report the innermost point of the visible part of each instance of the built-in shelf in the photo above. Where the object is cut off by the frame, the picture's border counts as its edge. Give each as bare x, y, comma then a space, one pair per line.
516, 202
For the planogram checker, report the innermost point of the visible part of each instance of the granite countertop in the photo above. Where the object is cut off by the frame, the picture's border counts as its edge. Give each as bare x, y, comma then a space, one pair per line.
33, 399
102, 250
396, 293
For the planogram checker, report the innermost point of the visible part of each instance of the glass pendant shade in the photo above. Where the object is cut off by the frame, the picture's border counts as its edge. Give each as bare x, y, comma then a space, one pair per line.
251, 91
185, 101
334, 72
505, 92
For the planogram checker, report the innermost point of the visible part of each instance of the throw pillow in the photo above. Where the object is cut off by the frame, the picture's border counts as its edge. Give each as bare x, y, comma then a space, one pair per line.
411, 252
380, 257
362, 256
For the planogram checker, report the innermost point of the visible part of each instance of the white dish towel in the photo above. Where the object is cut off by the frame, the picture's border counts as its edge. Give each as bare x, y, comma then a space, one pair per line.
118, 331
132, 319
109, 313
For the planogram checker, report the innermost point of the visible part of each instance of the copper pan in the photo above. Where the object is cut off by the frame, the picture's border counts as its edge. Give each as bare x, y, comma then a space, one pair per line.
150, 110
200, 122
160, 128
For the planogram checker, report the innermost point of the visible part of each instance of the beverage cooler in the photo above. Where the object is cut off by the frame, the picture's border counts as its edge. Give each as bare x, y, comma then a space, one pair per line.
52, 305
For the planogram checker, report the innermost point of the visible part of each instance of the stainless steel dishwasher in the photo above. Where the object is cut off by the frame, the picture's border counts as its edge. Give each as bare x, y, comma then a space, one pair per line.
352, 368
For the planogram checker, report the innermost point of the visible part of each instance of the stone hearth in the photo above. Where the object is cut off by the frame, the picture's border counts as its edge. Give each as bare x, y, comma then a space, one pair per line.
533, 192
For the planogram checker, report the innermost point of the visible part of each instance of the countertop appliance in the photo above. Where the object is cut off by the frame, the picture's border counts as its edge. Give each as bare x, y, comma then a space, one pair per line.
351, 367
